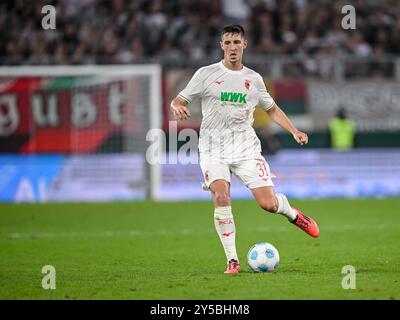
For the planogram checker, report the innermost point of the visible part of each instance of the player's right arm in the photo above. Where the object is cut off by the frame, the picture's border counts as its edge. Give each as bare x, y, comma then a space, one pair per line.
179, 109
194, 89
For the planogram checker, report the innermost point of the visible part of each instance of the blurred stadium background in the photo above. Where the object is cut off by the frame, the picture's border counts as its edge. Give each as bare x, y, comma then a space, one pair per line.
77, 102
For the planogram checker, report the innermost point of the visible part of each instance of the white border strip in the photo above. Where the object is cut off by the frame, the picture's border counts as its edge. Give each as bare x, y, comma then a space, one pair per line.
155, 123
81, 70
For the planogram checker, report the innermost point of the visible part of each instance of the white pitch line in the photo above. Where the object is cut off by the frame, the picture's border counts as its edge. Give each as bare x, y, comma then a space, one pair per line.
183, 232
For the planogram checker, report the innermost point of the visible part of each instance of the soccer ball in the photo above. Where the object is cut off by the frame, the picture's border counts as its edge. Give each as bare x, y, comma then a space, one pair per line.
263, 257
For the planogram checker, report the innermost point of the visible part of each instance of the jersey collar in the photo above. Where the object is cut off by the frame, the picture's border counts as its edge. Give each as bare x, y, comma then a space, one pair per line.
229, 70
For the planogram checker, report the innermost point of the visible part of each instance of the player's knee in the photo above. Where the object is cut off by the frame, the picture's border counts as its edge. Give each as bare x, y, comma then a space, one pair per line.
269, 205
222, 199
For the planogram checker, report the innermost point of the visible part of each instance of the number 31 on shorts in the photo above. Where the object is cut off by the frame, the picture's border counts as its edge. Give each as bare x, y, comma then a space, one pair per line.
263, 170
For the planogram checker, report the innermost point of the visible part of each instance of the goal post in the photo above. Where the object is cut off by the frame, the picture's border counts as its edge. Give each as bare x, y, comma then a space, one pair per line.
96, 117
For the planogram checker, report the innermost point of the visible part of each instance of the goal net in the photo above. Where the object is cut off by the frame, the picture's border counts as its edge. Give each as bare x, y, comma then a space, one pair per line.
81, 130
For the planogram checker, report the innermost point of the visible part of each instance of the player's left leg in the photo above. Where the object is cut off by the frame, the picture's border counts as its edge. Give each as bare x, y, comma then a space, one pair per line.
256, 175
278, 203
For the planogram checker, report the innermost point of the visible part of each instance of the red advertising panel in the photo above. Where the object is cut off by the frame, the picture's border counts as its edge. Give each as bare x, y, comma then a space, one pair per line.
68, 114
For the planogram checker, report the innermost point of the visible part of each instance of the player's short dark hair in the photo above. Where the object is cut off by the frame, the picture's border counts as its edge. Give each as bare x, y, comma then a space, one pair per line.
233, 28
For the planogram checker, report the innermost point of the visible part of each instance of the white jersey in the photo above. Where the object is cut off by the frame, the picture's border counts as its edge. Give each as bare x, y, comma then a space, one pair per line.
228, 100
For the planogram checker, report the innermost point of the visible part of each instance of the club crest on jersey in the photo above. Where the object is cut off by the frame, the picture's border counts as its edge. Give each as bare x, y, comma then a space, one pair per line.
248, 85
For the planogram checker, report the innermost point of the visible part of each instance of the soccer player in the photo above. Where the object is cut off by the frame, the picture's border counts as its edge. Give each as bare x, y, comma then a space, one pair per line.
229, 93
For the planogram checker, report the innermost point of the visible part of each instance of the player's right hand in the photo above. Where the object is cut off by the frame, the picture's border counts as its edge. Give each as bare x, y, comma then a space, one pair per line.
180, 112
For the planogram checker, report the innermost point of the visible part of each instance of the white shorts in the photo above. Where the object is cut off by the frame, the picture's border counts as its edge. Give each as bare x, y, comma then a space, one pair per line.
253, 173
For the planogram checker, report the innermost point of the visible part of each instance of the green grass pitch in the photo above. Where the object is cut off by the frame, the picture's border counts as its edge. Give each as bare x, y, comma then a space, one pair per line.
149, 250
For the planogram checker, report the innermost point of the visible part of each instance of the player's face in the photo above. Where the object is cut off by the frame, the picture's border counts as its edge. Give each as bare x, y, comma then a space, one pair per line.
233, 45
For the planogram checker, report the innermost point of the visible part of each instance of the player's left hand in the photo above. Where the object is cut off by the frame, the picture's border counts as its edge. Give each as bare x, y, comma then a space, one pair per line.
300, 137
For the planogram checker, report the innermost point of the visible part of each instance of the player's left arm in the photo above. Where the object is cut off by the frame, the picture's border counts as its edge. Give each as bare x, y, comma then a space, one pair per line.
278, 116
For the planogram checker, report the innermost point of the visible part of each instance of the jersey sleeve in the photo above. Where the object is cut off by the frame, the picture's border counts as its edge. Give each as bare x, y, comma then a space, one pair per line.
194, 88
266, 101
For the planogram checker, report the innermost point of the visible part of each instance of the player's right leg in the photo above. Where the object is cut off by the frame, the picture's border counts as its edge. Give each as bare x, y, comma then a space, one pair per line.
224, 223
217, 179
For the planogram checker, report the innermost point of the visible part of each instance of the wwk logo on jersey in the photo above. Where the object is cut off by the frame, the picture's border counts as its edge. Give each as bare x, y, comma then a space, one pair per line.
233, 97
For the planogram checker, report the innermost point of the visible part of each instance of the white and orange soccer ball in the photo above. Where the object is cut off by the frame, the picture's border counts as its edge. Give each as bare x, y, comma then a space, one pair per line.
263, 257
